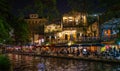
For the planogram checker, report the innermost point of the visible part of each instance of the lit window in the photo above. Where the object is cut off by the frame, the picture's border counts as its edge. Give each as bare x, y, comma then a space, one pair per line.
70, 20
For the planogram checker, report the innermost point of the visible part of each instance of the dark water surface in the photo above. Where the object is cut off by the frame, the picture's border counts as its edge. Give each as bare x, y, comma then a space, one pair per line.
31, 63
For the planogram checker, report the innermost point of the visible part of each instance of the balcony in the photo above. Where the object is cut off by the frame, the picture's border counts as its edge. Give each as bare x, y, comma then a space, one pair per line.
88, 39
80, 40
66, 25
110, 38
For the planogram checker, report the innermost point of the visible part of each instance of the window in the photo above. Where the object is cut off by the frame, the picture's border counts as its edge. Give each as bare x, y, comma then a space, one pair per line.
35, 21
66, 37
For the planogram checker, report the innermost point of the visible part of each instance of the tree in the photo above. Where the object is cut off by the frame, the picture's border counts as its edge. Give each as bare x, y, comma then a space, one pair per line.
21, 32
51, 10
111, 7
5, 64
39, 8
89, 6
78, 5
45, 8
5, 9
5, 21
4, 35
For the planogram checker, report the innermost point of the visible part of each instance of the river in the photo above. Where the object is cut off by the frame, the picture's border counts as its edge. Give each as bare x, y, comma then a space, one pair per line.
31, 63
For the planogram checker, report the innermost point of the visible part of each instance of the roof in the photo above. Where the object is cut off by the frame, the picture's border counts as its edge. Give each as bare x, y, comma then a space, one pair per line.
111, 23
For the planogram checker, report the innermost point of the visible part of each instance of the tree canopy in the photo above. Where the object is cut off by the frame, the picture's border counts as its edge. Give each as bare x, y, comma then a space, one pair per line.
9, 22
4, 34
21, 32
5, 26
45, 8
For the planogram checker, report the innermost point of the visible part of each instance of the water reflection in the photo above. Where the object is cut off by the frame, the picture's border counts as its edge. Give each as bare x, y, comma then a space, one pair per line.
30, 63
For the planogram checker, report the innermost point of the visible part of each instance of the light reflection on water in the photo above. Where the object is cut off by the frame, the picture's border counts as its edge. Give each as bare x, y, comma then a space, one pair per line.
30, 63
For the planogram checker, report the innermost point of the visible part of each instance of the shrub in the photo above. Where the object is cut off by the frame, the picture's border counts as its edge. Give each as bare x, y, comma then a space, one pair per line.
5, 64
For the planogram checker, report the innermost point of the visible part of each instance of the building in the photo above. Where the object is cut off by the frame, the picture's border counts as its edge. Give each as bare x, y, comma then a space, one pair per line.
73, 31
36, 27
110, 30
73, 28
50, 31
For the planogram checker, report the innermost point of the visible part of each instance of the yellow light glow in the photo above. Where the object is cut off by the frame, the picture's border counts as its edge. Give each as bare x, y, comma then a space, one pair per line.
70, 17
60, 34
70, 43
70, 20
64, 18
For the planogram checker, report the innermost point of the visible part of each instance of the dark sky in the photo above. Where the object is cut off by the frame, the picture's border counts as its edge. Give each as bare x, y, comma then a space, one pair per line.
20, 4
62, 5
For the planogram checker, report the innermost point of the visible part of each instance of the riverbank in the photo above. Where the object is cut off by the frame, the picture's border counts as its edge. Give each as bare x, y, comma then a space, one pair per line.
97, 59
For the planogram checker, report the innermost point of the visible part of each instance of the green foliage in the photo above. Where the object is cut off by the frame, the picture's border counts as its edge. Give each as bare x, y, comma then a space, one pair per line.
91, 19
4, 35
21, 32
83, 5
4, 8
77, 5
5, 21
5, 64
47, 8
112, 8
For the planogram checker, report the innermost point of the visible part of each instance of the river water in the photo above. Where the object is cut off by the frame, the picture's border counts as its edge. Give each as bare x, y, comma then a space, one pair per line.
31, 63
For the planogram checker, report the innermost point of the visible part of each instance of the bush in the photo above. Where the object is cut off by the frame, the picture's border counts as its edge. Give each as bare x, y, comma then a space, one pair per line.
5, 64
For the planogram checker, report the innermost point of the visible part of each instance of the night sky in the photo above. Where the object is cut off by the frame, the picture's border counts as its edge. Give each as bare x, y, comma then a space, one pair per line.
62, 5
20, 4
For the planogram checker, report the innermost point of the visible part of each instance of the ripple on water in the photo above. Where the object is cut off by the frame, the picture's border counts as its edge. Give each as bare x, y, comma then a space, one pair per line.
29, 63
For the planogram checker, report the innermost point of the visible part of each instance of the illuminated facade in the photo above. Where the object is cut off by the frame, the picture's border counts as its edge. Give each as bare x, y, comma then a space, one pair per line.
35, 24
74, 27
93, 30
73, 19
52, 28
50, 31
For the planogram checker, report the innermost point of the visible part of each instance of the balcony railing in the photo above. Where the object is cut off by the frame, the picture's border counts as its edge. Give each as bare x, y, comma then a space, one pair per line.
86, 39
81, 39
109, 38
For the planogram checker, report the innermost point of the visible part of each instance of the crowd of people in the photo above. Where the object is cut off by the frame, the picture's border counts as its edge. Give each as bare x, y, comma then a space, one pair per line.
111, 53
